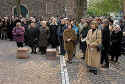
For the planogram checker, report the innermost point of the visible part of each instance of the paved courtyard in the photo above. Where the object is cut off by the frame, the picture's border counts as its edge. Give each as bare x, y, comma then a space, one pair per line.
35, 70
38, 70
114, 75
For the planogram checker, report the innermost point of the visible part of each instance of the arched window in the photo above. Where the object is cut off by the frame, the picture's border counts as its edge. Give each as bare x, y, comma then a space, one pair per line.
24, 11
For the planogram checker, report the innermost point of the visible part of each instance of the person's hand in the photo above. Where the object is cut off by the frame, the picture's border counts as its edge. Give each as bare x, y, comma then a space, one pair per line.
92, 46
69, 40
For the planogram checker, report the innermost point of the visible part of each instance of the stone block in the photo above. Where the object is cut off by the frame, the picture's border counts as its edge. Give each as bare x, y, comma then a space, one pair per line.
51, 54
22, 53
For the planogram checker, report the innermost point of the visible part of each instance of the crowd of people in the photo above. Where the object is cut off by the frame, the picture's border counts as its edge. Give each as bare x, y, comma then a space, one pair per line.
97, 37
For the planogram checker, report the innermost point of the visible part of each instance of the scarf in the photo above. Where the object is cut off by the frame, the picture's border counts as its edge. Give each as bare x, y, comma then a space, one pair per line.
116, 28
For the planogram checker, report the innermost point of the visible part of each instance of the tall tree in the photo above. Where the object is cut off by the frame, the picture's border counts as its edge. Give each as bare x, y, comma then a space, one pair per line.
101, 7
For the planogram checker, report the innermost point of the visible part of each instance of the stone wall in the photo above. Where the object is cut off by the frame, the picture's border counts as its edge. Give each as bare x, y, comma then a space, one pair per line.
46, 8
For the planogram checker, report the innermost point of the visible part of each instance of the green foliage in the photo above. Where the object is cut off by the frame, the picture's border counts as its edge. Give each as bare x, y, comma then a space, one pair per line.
104, 7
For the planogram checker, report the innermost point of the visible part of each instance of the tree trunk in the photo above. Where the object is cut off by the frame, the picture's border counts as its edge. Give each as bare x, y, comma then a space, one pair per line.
81, 9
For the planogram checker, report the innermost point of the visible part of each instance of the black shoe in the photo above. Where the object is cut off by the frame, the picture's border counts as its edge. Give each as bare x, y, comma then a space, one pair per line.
105, 66
70, 62
95, 72
82, 57
35, 52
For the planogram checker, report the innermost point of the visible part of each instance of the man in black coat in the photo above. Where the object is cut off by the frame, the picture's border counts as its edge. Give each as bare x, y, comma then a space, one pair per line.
105, 43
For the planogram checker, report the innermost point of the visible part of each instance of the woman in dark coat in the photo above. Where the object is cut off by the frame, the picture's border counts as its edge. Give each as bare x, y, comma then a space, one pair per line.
18, 33
53, 39
43, 38
83, 36
116, 38
32, 37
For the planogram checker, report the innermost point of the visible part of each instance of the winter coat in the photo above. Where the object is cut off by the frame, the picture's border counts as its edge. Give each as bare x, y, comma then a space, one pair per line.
115, 43
43, 37
18, 34
32, 37
61, 29
69, 34
92, 54
106, 38
53, 37
83, 34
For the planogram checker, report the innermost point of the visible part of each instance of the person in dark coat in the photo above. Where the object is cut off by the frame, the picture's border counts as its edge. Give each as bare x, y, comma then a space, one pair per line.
83, 35
4, 29
18, 33
32, 37
53, 38
116, 38
10, 29
43, 37
61, 29
105, 44
25, 24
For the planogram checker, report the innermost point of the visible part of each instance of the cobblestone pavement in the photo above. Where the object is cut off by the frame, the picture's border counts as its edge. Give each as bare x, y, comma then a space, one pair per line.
34, 70
114, 75
38, 70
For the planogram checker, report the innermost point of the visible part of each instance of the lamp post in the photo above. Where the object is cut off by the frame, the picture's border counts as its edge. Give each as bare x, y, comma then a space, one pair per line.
65, 7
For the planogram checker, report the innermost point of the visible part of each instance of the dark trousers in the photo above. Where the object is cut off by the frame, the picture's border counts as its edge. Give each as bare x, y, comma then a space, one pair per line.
19, 44
61, 41
104, 57
116, 58
70, 54
33, 49
83, 47
4, 36
43, 50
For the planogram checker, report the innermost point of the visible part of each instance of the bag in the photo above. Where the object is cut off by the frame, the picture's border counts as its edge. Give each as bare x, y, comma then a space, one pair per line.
99, 47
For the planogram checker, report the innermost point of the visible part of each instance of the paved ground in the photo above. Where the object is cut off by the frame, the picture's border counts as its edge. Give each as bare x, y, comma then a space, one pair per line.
114, 75
38, 70
35, 70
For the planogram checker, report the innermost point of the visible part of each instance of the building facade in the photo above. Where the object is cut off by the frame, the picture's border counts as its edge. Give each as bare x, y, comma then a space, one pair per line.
45, 8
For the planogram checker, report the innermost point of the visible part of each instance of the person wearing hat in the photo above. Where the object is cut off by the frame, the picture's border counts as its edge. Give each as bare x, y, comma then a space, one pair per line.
116, 38
93, 40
